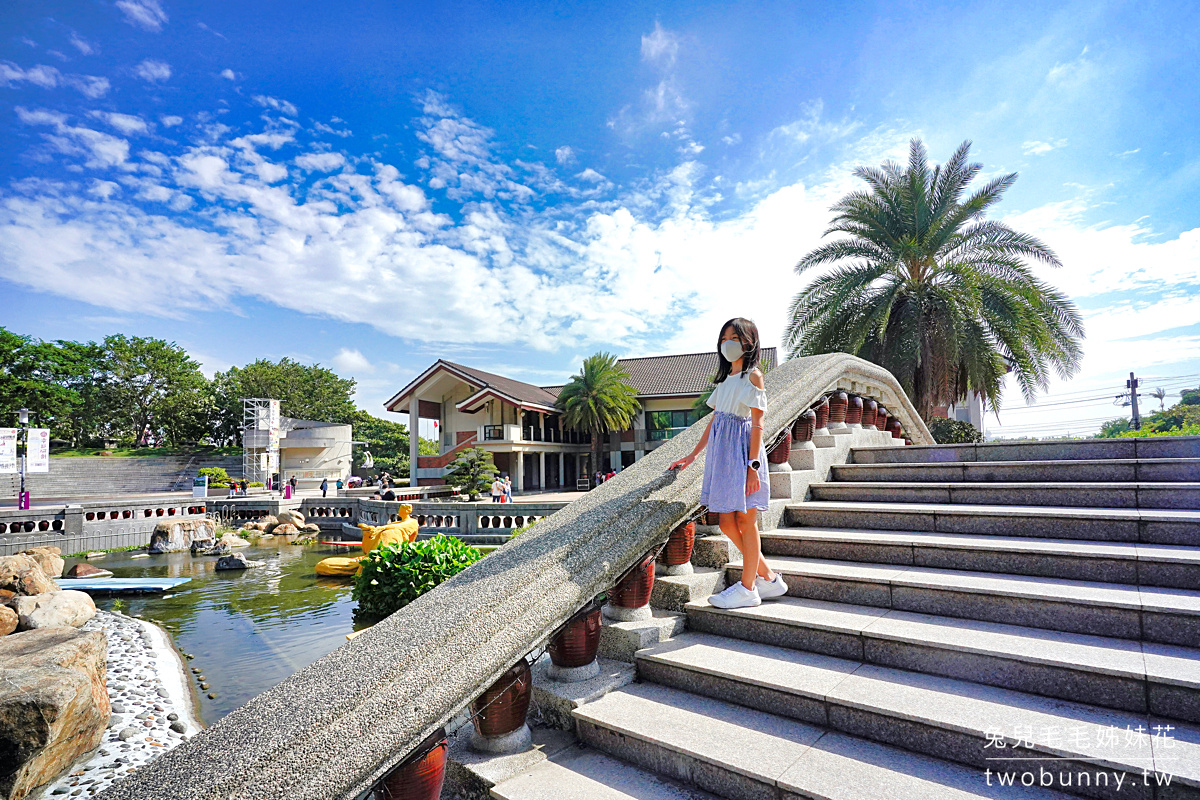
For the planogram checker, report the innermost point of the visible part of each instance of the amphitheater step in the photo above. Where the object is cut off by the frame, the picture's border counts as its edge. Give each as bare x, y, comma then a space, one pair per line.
944, 718
583, 774
1088, 449
1074, 559
1152, 614
1130, 470
1082, 495
1114, 673
1150, 526
737, 752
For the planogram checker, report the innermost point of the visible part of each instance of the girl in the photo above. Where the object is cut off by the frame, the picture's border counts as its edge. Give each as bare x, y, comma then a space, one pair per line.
736, 485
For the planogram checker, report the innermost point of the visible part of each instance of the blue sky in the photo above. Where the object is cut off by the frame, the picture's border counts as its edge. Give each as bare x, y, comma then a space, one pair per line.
515, 186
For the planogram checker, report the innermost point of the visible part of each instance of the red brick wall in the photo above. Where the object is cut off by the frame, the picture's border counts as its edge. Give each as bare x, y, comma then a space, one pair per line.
434, 462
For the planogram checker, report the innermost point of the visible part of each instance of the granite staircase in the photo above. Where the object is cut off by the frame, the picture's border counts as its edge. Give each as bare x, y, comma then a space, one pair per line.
967, 621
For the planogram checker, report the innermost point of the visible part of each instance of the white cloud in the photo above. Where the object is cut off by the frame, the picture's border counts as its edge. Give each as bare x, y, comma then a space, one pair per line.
732, 139
1129, 152
660, 46
321, 127
153, 71
40, 75
1072, 74
145, 14
91, 86
100, 150
352, 361
170, 121
1037, 148
564, 155
126, 123
591, 176
228, 75
82, 45
322, 162
277, 104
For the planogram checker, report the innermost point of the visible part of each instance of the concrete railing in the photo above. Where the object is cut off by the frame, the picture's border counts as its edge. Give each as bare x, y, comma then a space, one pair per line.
338, 726
92, 524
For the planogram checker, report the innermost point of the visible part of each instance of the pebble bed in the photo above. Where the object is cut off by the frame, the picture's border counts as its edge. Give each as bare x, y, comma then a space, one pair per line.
152, 710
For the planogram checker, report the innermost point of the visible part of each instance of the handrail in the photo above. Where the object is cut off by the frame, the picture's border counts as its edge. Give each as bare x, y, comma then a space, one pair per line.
336, 727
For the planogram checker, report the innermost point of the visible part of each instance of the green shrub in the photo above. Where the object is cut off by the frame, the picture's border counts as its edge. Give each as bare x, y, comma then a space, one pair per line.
1185, 430
394, 575
253, 484
523, 528
952, 431
218, 478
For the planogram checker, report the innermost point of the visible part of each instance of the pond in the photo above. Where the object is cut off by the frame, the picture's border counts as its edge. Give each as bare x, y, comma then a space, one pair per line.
249, 629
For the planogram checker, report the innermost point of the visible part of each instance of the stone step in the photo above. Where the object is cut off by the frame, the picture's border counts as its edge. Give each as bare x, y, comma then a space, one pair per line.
674, 592
578, 773
1113, 673
1127, 470
1151, 614
1075, 559
620, 640
1082, 495
1149, 526
737, 752
1085, 449
939, 717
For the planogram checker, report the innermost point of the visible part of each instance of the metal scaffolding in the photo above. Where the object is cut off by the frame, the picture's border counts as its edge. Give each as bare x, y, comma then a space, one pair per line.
260, 439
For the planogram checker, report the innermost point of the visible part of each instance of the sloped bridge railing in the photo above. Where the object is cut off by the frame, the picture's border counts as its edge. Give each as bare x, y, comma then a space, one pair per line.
335, 728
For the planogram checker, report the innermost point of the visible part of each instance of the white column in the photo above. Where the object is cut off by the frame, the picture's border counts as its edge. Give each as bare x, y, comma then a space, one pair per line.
542, 469
562, 472
520, 471
414, 438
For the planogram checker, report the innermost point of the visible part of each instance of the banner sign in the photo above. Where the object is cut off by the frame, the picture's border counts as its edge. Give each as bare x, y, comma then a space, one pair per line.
37, 451
8, 449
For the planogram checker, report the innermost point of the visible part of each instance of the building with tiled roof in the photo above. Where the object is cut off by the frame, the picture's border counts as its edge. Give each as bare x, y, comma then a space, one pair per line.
520, 425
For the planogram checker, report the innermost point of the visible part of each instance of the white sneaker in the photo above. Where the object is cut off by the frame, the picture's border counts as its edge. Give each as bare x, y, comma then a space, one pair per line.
769, 590
736, 596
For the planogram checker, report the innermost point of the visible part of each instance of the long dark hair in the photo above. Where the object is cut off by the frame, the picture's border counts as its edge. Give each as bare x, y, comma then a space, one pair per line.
747, 333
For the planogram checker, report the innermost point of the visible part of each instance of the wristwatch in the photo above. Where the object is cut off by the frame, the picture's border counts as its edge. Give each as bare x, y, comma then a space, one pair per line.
754, 464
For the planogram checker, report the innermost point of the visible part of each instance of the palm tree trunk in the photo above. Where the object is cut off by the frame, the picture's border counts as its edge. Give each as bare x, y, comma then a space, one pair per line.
596, 451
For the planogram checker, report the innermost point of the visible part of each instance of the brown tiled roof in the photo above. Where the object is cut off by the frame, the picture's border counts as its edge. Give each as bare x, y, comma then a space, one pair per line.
518, 390
690, 373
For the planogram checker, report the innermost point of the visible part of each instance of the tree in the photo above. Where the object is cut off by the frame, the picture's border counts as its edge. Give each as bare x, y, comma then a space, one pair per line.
598, 399
1160, 394
388, 442
1114, 427
472, 472
153, 386
56, 381
304, 392
923, 285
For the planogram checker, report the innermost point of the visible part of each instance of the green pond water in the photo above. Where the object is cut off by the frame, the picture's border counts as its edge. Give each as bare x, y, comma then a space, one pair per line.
249, 629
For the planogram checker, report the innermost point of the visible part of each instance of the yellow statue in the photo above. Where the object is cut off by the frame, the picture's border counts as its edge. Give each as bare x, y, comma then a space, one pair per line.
373, 536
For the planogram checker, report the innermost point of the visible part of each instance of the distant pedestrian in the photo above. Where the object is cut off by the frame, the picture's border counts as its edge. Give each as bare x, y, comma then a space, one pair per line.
507, 489
339, 485
324, 486
497, 489
389, 495
292, 483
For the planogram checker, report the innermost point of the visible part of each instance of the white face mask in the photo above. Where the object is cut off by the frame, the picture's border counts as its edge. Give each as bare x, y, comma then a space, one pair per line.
731, 349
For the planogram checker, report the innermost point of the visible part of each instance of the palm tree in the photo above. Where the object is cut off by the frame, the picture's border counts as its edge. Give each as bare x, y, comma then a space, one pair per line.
923, 285
599, 399
1160, 394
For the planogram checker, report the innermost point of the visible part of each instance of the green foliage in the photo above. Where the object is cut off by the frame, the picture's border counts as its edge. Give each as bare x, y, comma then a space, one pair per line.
304, 392
151, 384
953, 431
598, 399
472, 472
1113, 428
394, 575
218, 478
522, 529
924, 285
388, 442
1190, 429
1191, 397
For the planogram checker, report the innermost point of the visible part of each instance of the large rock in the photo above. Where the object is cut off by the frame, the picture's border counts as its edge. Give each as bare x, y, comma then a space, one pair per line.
268, 523
285, 529
209, 548
53, 704
49, 559
21, 574
8, 620
290, 516
311, 527
237, 561
84, 570
169, 537
233, 540
54, 610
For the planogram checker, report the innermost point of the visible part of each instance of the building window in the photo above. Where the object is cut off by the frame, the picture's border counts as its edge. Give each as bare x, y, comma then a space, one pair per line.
665, 424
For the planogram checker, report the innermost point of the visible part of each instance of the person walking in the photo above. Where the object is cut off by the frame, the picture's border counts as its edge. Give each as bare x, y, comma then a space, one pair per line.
507, 488
736, 485
324, 486
497, 489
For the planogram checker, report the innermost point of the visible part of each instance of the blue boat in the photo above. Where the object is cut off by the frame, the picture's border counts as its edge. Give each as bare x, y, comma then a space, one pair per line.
122, 585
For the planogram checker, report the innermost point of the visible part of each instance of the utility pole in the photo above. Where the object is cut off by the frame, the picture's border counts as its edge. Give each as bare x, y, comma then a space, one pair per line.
1132, 386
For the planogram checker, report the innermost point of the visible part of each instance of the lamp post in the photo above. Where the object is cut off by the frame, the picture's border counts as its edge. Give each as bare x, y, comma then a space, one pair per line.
22, 449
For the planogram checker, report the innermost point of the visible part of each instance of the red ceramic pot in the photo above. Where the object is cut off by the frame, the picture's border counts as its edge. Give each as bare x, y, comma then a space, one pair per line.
854, 411
633, 590
679, 545
779, 453
576, 644
894, 426
823, 414
870, 411
881, 419
502, 707
837, 407
712, 518
420, 776
802, 430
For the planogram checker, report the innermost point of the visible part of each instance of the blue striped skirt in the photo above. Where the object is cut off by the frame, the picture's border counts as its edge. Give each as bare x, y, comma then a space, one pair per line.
724, 486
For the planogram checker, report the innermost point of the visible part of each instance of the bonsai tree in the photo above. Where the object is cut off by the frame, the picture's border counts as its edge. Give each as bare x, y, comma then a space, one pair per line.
924, 285
472, 472
599, 399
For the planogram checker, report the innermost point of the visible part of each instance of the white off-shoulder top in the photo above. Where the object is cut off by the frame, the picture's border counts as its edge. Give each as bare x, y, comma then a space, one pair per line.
737, 395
